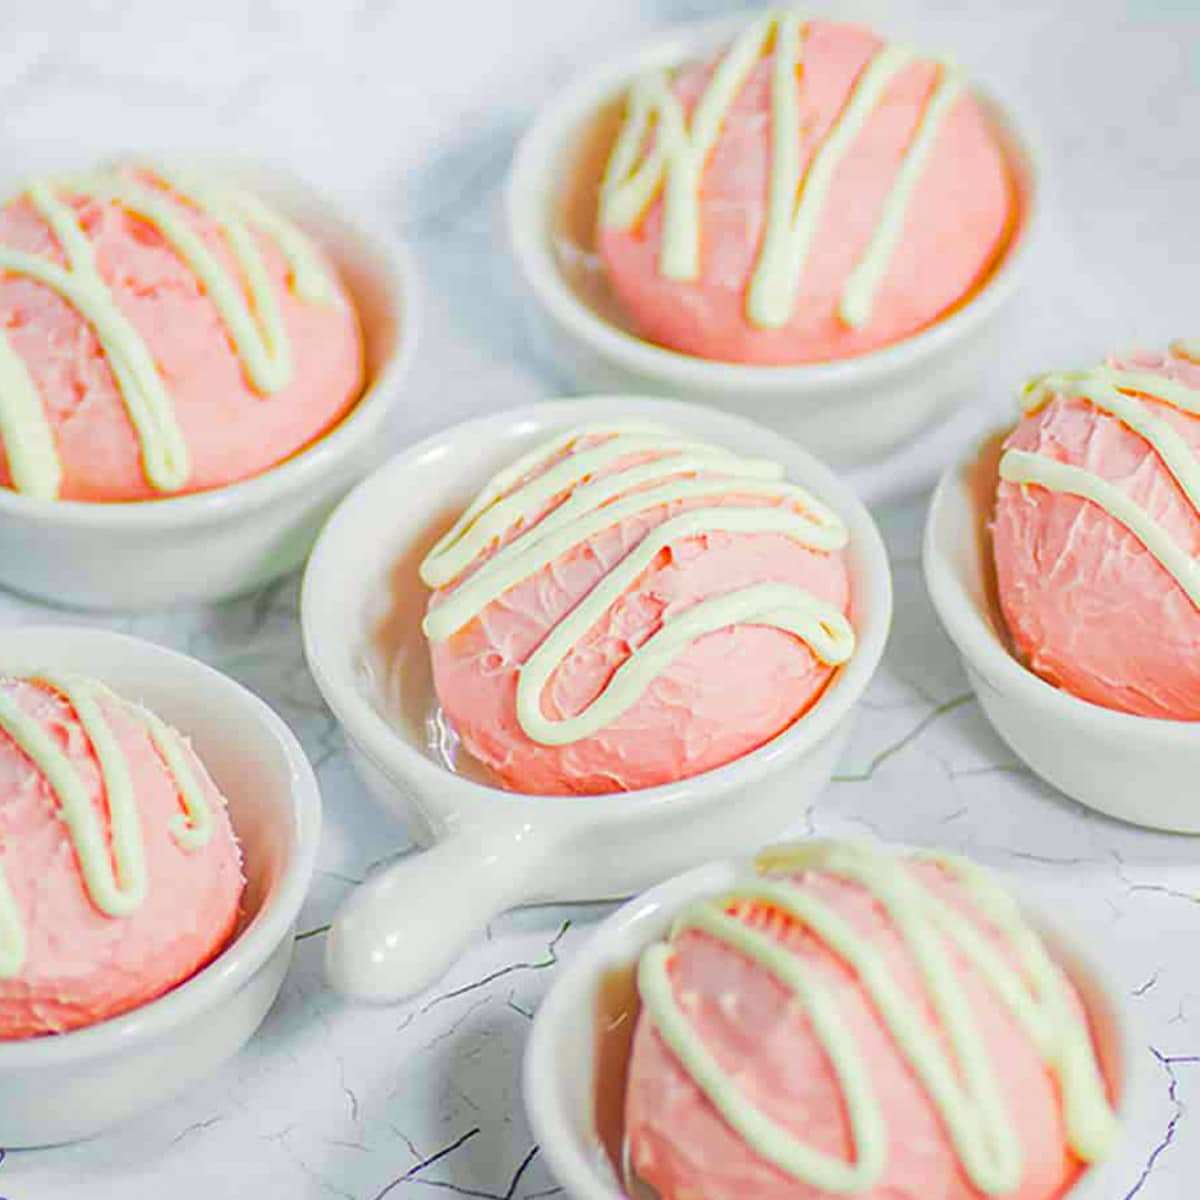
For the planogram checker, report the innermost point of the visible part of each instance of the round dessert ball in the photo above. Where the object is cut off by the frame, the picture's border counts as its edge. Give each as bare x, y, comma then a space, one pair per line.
756, 1028
66, 959
724, 694
1089, 607
162, 333
950, 227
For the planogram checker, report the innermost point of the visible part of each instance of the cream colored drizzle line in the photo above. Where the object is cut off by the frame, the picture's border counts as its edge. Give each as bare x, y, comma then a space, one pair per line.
115, 883
963, 1084
247, 306
796, 200
680, 470
1117, 392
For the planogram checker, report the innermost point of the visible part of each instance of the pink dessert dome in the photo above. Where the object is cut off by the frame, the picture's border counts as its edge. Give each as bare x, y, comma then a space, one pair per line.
162, 332
794, 1041
1097, 531
120, 874
626, 607
754, 214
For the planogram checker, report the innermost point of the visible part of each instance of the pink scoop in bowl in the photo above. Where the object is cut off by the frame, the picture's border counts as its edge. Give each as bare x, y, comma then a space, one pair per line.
496, 849
1134, 768
578, 1067
62, 1087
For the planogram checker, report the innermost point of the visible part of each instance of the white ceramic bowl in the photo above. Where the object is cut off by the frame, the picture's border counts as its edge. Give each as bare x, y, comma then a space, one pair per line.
499, 849
205, 547
847, 411
560, 1060
73, 1085
1138, 769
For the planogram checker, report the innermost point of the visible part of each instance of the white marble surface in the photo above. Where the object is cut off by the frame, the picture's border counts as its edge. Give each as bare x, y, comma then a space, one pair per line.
413, 107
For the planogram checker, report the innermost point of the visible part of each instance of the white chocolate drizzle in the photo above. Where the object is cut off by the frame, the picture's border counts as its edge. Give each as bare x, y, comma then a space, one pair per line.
666, 469
948, 1056
245, 301
115, 879
858, 297
1122, 394
674, 164
25, 431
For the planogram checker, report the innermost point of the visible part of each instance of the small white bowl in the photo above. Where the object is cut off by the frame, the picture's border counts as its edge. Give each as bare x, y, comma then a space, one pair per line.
846, 411
560, 1060
499, 849
1137, 769
211, 545
74, 1085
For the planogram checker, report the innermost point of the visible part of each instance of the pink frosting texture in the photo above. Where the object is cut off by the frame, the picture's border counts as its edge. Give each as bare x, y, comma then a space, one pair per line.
232, 431
81, 965
1088, 607
725, 695
961, 213
681, 1146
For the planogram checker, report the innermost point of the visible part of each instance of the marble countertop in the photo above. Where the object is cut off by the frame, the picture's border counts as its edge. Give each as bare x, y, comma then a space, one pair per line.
414, 109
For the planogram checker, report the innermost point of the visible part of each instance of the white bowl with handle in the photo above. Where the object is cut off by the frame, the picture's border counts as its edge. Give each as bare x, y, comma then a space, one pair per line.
495, 849
67, 1086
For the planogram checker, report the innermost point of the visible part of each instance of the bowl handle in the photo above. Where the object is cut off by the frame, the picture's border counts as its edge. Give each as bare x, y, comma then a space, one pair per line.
403, 928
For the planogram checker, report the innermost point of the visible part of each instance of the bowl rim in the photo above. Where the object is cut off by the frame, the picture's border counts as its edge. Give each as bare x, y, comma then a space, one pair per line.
532, 170
395, 265
574, 984
242, 957
333, 669
978, 644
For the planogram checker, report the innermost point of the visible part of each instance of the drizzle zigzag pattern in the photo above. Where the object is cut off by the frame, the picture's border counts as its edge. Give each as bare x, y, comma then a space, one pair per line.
246, 304
674, 165
1122, 394
678, 470
964, 1083
115, 880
